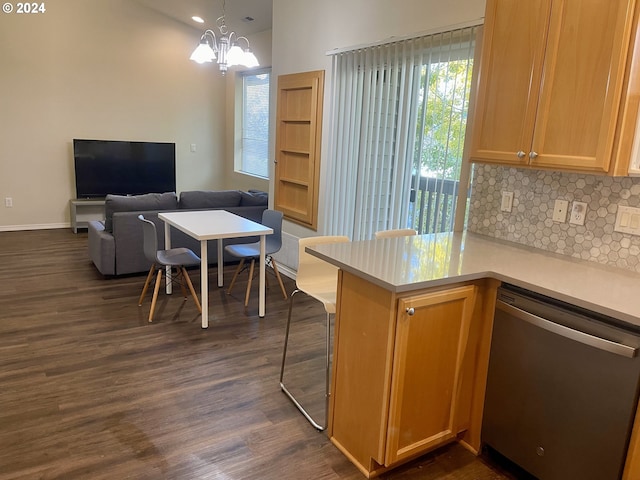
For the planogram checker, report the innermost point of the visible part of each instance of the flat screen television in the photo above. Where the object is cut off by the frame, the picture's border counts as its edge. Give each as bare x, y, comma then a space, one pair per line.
123, 168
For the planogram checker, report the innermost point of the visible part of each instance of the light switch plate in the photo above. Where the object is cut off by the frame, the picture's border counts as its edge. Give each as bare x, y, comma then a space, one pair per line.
628, 220
507, 202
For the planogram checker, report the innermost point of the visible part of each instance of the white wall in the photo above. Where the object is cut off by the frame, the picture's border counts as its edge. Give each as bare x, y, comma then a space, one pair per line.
304, 30
103, 69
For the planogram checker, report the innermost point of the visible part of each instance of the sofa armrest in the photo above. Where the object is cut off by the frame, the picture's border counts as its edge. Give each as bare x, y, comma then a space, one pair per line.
101, 248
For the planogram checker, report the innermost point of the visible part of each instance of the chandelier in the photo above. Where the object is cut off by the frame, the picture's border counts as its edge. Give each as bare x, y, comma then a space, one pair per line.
224, 48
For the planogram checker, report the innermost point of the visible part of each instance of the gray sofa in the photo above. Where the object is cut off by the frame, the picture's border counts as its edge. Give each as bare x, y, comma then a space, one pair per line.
115, 245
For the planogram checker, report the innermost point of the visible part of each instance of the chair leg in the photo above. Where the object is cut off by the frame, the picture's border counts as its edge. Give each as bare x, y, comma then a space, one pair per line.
146, 284
183, 289
235, 275
275, 270
315, 424
286, 337
187, 279
327, 371
246, 295
155, 294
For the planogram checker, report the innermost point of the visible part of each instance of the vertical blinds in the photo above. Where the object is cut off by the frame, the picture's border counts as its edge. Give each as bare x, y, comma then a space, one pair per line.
380, 102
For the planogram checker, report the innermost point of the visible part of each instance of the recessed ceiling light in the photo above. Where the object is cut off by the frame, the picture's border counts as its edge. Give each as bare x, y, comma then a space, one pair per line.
197, 19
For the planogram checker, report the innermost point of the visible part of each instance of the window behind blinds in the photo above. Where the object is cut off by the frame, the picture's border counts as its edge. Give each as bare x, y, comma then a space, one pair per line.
399, 119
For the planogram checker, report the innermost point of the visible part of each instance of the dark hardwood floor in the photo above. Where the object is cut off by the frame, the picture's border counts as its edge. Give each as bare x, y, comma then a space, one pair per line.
89, 389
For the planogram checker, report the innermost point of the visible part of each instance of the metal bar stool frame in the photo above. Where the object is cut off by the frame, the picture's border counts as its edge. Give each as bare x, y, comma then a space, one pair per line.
317, 279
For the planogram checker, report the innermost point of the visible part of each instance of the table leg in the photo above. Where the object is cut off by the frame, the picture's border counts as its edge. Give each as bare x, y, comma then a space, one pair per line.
204, 284
167, 245
262, 271
220, 264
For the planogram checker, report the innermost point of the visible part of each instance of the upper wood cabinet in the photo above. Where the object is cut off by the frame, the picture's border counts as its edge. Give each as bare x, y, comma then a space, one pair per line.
554, 86
298, 139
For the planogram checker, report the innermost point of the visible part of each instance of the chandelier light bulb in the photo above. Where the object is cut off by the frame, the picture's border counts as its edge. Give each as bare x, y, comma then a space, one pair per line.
203, 53
250, 59
235, 56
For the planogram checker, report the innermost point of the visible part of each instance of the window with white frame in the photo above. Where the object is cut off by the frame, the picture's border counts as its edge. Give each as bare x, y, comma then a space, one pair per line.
252, 123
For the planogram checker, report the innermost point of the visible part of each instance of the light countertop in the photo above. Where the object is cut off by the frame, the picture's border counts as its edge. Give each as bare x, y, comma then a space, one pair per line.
411, 263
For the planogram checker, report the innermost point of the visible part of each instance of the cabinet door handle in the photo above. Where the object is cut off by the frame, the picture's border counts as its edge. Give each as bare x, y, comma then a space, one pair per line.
520, 154
411, 311
533, 154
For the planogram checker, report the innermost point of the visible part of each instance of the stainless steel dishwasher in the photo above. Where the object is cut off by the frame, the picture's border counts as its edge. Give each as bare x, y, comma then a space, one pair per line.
562, 388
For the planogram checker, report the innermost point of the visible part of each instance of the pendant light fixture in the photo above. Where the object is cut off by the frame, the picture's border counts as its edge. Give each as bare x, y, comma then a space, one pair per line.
223, 48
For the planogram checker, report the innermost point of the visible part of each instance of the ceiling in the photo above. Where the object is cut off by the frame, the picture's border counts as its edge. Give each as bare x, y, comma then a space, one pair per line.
236, 13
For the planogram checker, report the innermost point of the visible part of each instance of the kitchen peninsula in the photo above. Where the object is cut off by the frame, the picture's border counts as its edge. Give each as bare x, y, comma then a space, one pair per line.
402, 385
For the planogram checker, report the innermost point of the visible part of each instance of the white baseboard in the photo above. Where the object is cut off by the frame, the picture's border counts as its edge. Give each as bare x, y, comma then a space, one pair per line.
286, 271
287, 257
36, 226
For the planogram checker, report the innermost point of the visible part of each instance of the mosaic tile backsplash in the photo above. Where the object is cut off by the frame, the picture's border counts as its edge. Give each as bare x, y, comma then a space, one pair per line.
530, 220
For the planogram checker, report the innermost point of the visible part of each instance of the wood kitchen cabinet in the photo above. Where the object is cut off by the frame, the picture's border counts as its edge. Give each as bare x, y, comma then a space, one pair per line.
556, 86
432, 335
408, 370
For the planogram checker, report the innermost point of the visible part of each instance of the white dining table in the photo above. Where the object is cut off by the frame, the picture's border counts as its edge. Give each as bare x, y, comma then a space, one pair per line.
204, 225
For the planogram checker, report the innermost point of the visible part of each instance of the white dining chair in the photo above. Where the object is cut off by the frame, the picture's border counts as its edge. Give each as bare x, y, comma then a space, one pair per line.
396, 232
318, 279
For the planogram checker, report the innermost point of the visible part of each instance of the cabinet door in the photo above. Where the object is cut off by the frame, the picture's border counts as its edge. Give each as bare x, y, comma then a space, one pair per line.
431, 339
298, 139
509, 79
583, 74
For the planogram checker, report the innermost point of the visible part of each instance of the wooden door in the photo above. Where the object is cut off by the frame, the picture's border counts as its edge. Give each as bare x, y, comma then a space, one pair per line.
298, 141
432, 334
509, 78
583, 75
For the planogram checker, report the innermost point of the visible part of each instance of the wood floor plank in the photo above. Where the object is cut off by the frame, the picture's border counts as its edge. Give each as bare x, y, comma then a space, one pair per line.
90, 390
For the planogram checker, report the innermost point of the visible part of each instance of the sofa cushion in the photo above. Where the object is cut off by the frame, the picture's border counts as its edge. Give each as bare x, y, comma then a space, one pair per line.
210, 199
136, 203
254, 198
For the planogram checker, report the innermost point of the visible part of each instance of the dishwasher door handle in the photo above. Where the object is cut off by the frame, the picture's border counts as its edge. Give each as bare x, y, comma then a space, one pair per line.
577, 335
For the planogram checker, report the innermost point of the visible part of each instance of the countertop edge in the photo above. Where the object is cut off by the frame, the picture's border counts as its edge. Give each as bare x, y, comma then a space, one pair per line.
568, 290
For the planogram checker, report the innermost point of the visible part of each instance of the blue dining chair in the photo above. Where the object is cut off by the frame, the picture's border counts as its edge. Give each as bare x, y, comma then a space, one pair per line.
178, 258
251, 252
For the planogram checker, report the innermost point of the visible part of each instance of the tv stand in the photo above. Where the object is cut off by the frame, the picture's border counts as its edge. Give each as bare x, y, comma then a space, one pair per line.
82, 210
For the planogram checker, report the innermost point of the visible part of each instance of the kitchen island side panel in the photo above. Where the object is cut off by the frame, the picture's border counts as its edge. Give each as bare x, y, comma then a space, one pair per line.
363, 351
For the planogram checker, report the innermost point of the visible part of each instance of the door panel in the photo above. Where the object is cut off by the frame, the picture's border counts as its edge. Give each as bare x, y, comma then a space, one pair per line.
582, 83
298, 139
510, 75
430, 347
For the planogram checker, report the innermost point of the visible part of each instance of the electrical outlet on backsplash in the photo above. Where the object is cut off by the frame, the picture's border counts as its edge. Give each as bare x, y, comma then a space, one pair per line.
530, 222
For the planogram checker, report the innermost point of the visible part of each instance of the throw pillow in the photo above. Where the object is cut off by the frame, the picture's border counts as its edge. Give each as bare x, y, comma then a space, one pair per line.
255, 197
